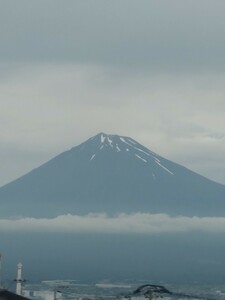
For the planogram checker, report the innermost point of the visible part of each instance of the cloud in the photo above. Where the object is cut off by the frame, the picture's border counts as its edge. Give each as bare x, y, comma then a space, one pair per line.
59, 105
160, 35
138, 223
72, 70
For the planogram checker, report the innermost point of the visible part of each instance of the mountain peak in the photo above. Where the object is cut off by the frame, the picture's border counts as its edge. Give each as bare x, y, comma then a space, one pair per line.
129, 147
112, 174
102, 136
113, 140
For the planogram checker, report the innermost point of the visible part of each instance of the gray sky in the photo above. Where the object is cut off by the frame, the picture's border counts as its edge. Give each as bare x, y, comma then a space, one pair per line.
151, 70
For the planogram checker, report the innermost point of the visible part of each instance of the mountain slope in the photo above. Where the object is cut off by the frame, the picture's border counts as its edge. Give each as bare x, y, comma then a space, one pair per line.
112, 174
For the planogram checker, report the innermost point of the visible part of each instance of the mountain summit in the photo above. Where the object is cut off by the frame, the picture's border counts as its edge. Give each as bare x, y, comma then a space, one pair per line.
112, 174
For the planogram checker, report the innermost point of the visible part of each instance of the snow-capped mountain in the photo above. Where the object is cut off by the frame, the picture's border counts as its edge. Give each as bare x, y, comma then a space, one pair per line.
112, 174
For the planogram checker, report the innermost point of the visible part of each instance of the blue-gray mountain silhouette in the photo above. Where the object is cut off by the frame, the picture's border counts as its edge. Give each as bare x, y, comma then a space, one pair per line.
112, 174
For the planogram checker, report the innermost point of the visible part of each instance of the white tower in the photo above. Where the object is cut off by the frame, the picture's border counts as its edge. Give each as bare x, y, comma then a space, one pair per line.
0, 271
19, 279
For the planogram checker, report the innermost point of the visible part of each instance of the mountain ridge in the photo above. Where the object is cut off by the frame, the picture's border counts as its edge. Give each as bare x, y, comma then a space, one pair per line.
112, 174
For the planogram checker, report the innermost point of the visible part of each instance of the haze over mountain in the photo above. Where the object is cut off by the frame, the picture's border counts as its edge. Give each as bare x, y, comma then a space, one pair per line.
112, 174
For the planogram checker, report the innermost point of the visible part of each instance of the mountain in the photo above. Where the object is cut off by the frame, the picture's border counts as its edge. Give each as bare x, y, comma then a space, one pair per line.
112, 174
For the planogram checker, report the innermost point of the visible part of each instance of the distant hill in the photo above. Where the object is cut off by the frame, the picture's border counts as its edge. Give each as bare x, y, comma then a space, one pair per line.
110, 173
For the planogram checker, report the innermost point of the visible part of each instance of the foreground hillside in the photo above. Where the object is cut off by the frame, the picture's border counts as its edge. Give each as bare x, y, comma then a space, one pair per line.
110, 173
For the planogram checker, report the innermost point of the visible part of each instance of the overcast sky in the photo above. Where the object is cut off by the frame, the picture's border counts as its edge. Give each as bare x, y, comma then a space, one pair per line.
153, 70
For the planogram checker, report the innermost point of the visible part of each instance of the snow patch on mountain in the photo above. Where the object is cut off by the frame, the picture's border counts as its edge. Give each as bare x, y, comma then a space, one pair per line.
140, 158
123, 140
133, 142
102, 138
117, 148
93, 156
112, 141
167, 170
136, 148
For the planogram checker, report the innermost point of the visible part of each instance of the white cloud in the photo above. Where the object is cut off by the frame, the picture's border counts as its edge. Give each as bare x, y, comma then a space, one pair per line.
48, 108
138, 223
